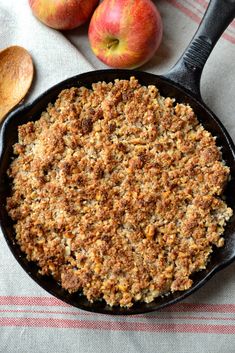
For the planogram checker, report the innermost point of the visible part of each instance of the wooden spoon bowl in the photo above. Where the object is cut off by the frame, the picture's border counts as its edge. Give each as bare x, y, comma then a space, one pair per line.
16, 75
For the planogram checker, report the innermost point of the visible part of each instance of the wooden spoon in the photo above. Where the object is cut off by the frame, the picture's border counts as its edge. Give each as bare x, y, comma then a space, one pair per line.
16, 75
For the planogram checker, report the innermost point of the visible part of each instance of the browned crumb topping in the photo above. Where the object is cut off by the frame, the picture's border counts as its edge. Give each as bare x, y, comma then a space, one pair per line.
115, 191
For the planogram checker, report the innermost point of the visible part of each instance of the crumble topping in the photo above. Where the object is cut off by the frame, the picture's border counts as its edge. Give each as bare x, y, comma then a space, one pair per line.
116, 192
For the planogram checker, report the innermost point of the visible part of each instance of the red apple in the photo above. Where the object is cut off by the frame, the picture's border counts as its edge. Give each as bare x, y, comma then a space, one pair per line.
63, 14
125, 33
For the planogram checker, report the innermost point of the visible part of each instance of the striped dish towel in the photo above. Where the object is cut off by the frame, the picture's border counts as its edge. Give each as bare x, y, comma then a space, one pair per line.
195, 9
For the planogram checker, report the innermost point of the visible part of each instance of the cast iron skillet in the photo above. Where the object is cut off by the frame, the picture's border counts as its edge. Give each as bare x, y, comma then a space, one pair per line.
183, 83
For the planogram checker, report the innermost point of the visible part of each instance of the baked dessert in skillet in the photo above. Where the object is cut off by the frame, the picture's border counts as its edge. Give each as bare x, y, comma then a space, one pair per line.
117, 191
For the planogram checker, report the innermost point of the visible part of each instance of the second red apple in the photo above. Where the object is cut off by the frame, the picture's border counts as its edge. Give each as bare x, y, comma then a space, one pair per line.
63, 14
125, 33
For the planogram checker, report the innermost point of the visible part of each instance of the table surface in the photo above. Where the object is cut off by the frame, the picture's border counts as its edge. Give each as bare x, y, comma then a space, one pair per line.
33, 321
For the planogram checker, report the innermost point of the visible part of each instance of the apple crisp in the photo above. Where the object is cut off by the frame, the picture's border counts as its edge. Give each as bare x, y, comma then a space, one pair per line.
116, 191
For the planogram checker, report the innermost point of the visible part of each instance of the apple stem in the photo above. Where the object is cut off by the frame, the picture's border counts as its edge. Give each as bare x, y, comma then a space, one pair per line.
112, 43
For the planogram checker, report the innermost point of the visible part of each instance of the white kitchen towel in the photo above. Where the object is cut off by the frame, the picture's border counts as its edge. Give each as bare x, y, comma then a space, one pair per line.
55, 58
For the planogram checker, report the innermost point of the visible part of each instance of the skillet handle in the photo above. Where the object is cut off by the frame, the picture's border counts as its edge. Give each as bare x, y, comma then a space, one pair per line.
187, 71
